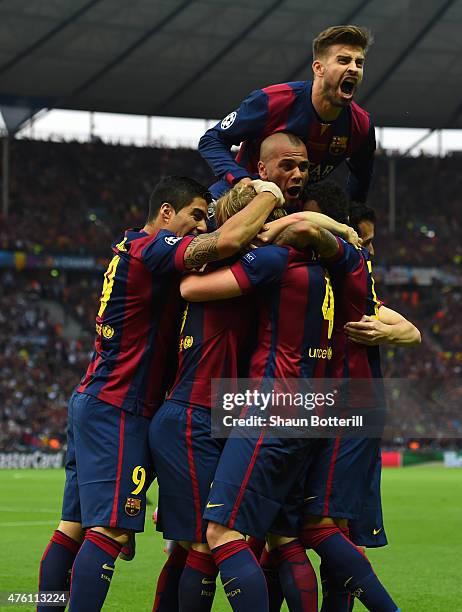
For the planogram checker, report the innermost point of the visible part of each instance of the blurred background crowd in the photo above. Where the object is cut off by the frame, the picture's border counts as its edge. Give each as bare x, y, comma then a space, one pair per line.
74, 199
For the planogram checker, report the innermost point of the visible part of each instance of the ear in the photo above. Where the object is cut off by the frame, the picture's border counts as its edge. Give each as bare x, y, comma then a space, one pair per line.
318, 68
262, 171
167, 212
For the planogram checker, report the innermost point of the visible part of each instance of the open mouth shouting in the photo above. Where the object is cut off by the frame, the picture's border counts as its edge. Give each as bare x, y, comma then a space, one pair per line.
348, 87
294, 191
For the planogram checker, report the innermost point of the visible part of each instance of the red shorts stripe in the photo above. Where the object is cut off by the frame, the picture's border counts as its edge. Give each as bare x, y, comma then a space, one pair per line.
330, 477
113, 520
232, 518
193, 474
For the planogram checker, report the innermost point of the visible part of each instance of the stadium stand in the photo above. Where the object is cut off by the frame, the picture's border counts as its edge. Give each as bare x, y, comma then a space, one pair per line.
73, 199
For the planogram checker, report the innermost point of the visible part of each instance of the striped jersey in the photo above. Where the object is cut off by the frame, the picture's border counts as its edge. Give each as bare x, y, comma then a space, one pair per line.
295, 311
288, 107
355, 296
137, 322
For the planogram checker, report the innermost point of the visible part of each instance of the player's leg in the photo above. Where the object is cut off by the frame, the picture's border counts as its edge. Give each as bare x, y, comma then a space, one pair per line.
185, 457
59, 555
336, 491
296, 574
253, 478
114, 472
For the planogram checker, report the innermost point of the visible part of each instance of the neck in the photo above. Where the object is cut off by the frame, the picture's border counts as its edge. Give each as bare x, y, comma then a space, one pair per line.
323, 107
152, 227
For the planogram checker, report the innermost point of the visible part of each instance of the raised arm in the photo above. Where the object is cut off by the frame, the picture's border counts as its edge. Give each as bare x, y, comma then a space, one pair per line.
304, 234
237, 231
389, 328
274, 228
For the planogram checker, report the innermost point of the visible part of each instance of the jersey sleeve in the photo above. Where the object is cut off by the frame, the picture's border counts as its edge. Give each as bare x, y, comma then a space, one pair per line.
346, 260
245, 123
164, 253
261, 266
361, 166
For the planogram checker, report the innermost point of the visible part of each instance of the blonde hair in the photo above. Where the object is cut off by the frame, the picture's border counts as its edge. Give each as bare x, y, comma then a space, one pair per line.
344, 34
235, 200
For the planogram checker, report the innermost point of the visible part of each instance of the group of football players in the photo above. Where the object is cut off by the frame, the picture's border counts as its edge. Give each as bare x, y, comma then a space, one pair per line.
282, 296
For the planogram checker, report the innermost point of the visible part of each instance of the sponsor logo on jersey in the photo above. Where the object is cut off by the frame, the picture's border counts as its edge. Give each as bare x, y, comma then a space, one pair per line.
171, 240
228, 120
209, 505
376, 531
338, 145
132, 506
249, 256
320, 353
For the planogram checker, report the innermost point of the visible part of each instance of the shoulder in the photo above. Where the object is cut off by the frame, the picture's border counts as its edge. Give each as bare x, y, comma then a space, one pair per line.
361, 119
288, 90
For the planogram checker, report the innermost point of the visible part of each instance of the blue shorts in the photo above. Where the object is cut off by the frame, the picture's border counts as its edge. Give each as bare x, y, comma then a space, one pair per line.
368, 530
108, 467
185, 458
254, 479
339, 477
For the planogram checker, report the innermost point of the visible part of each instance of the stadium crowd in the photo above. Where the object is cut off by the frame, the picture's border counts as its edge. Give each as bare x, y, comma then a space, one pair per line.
81, 195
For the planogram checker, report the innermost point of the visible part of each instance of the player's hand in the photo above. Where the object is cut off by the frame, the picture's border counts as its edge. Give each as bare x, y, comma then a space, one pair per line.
261, 186
368, 331
270, 231
352, 237
244, 181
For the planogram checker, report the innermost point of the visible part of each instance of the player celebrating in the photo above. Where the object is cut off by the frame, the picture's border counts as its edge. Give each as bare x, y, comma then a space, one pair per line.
108, 466
322, 113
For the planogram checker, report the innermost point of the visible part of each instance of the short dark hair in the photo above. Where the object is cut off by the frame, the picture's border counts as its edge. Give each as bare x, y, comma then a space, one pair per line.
330, 197
178, 191
358, 211
342, 35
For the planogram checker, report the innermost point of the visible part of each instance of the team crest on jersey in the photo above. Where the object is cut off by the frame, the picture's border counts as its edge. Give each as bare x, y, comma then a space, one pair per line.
132, 506
171, 240
228, 120
108, 331
338, 145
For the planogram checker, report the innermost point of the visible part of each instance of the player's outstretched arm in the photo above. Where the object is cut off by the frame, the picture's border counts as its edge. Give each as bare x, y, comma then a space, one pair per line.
237, 231
273, 229
305, 234
218, 285
389, 328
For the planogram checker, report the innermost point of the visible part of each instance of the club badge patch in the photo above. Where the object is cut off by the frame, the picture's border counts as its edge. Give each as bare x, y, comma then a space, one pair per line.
132, 506
338, 145
228, 120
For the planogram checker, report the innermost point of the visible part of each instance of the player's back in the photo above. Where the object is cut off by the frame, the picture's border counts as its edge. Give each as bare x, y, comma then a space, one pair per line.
355, 296
136, 322
212, 338
295, 321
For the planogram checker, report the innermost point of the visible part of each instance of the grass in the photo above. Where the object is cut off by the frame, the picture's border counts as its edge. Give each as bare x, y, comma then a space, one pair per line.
421, 567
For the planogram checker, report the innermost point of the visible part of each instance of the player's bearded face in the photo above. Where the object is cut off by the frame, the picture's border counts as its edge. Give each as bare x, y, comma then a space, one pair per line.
342, 74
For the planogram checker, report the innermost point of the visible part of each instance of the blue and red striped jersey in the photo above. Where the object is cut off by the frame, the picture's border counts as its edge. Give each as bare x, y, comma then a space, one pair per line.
212, 338
354, 291
137, 322
288, 107
296, 312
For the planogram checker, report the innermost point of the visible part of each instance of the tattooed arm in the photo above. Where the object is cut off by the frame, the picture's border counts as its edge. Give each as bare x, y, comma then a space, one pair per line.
303, 234
233, 235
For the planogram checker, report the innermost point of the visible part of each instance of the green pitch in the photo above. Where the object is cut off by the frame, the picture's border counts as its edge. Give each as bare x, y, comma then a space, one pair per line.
422, 567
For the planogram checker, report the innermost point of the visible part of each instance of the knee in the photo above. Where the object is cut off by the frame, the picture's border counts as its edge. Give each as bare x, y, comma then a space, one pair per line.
72, 530
121, 536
